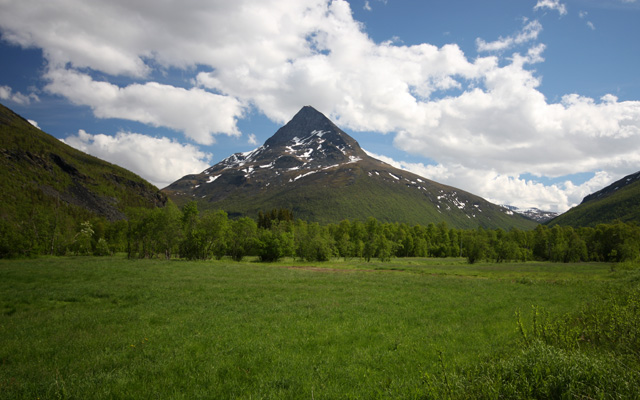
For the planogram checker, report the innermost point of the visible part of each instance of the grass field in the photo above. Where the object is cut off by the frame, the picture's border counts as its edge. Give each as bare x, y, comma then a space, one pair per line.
115, 328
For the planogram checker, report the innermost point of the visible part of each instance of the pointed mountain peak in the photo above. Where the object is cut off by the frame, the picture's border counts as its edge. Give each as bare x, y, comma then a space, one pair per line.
308, 110
320, 172
306, 121
308, 113
309, 141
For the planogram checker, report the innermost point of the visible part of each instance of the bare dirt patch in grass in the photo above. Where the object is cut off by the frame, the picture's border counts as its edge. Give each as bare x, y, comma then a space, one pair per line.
321, 269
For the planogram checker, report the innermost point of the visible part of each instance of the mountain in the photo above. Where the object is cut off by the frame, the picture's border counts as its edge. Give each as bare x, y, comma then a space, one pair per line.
618, 201
319, 172
533, 213
40, 176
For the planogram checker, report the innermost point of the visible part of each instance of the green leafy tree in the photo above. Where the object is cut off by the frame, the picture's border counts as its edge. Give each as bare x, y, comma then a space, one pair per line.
357, 235
274, 243
142, 234
406, 242
116, 236
12, 242
383, 248
101, 248
341, 236
504, 247
82, 242
370, 239
475, 245
190, 216
274, 217
577, 248
455, 237
242, 239
166, 229
441, 240
542, 243
217, 226
313, 242
420, 241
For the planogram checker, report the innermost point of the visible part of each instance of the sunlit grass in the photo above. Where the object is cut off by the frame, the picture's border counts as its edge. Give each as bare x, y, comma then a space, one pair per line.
116, 328
533, 270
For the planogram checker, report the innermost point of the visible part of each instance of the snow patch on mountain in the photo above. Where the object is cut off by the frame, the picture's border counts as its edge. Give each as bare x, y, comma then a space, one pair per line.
240, 159
533, 213
302, 176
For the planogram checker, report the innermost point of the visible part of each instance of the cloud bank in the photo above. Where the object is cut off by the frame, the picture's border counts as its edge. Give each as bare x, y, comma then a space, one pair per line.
198, 113
482, 120
6, 93
161, 161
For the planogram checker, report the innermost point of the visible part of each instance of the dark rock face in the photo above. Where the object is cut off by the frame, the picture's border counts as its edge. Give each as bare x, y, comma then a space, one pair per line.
65, 166
80, 196
286, 162
308, 119
157, 198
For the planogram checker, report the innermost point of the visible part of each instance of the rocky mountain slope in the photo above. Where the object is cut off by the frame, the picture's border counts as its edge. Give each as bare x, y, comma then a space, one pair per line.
40, 175
618, 201
317, 170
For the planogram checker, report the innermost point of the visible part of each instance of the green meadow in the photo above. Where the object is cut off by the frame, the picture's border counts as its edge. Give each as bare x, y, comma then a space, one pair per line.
112, 328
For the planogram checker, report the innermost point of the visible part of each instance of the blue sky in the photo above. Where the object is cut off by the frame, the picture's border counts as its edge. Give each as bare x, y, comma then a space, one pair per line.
533, 103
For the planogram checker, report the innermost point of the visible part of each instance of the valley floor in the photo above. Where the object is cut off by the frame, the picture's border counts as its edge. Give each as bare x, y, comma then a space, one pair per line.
91, 327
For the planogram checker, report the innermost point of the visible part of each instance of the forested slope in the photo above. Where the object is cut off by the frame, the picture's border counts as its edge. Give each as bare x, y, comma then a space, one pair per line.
48, 188
618, 201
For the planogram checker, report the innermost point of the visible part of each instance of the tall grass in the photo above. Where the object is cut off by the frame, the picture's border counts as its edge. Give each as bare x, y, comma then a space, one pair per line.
114, 328
590, 353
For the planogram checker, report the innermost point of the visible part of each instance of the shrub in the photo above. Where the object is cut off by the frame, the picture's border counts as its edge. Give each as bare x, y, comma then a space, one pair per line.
594, 353
541, 371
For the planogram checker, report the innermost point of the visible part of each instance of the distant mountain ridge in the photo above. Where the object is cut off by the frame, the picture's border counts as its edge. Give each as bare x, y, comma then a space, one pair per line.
618, 201
317, 170
613, 188
533, 213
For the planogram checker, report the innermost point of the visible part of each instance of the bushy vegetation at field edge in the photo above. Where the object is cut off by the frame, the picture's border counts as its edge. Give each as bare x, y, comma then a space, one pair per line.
169, 232
592, 353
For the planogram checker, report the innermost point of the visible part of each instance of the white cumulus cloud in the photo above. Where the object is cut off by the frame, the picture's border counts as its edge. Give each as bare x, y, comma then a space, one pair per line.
161, 161
6, 93
529, 32
551, 5
198, 113
483, 119
504, 188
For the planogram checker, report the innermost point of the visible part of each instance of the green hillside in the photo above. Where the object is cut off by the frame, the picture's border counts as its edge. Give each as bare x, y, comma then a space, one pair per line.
351, 193
618, 201
47, 187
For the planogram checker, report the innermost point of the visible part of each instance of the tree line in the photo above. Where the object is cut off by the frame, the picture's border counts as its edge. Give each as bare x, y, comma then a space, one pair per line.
170, 232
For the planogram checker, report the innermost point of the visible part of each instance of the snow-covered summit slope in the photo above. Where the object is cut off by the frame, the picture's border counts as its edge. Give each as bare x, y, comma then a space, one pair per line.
533, 213
320, 172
